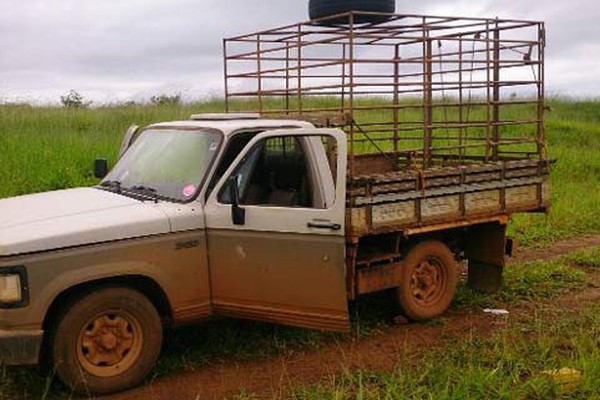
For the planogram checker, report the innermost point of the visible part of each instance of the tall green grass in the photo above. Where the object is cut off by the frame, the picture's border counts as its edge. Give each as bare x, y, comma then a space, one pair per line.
44, 148
573, 130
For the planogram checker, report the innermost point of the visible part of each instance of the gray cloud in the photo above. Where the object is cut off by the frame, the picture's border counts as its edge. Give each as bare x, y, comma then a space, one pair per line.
121, 49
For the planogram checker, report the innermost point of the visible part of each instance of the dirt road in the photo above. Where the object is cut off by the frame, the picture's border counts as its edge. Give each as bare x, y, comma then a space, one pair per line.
382, 352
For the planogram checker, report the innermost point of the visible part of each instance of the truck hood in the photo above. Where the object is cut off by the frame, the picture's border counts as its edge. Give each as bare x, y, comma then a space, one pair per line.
74, 217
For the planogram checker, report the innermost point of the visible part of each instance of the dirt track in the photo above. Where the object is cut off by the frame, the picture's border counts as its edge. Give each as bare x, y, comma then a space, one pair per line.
271, 376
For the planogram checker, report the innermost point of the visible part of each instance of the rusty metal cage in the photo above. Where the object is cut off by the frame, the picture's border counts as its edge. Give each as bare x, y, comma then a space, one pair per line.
415, 92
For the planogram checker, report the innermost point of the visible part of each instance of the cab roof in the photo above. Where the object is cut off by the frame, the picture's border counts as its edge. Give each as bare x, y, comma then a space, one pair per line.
232, 125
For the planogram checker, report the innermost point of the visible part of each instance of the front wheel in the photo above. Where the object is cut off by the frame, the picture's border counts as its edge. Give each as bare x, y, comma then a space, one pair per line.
428, 280
107, 341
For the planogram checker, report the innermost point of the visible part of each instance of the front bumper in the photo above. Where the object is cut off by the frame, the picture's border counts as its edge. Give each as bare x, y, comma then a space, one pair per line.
20, 347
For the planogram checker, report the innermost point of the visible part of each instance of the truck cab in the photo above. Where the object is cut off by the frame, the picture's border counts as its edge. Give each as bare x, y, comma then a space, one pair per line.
229, 215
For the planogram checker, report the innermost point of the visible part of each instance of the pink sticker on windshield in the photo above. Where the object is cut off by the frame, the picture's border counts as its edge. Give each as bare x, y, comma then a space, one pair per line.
188, 190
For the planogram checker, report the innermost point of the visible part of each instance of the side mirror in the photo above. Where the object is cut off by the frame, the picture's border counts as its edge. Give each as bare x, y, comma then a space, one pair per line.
238, 214
100, 168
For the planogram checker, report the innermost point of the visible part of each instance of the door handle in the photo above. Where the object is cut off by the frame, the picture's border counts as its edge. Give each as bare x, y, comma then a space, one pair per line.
324, 225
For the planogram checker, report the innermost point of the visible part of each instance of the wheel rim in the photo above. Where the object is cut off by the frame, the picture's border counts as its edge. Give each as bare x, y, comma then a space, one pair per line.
109, 344
428, 282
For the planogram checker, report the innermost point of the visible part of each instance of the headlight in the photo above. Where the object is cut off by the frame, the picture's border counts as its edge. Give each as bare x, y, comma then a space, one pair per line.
13, 287
10, 289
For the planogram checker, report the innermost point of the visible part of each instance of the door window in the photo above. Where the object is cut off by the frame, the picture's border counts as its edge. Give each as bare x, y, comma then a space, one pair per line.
234, 148
275, 173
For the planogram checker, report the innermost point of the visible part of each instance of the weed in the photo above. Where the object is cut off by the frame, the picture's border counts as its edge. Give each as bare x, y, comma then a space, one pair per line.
503, 365
589, 258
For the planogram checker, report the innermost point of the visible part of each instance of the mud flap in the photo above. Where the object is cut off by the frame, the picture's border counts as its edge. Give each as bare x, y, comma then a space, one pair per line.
20, 347
485, 246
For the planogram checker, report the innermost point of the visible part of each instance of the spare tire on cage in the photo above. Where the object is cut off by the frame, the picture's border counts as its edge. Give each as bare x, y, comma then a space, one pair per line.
324, 8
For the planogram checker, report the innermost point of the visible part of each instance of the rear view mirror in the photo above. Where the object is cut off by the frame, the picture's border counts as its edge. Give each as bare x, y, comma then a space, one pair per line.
100, 168
238, 214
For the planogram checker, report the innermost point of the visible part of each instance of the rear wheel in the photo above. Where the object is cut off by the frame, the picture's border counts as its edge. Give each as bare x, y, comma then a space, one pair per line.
428, 280
107, 341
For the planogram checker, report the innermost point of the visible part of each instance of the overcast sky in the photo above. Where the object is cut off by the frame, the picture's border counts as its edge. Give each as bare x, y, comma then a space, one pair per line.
116, 50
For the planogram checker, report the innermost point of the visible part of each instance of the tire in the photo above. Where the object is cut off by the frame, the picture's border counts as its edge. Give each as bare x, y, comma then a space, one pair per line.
428, 281
325, 8
106, 341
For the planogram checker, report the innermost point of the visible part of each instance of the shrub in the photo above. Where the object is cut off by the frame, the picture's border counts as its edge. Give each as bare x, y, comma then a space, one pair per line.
164, 100
74, 100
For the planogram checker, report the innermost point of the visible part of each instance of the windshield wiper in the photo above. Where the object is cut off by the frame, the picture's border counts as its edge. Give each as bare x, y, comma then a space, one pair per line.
146, 191
115, 185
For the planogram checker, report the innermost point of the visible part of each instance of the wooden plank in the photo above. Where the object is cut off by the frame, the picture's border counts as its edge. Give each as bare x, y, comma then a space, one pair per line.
443, 207
482, 202
521, 197
358, 221
400, 213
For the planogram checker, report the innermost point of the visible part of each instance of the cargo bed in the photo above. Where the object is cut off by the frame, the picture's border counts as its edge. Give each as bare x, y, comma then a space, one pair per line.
404, 200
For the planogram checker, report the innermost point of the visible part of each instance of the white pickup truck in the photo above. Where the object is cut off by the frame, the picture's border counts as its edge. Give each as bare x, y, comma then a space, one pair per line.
228, 215
269, 218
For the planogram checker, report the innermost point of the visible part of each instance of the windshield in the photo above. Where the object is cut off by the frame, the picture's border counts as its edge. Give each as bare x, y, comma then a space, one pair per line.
165, 163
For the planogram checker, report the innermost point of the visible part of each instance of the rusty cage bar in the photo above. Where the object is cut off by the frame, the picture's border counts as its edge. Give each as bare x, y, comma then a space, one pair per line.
476, 81
413, 93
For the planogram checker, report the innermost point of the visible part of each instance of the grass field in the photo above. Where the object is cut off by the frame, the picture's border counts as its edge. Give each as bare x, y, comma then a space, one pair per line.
48, 148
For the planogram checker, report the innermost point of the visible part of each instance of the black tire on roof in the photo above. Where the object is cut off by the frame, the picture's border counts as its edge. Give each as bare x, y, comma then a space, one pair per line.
324, 8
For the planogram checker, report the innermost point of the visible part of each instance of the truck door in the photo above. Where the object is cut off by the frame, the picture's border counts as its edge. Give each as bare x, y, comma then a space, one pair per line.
275, 226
